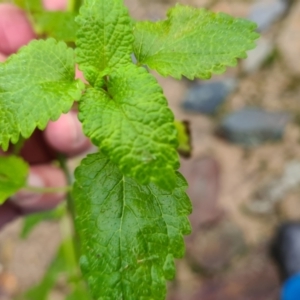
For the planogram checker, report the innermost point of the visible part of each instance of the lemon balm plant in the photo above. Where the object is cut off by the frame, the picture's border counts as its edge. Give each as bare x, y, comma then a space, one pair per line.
131, 209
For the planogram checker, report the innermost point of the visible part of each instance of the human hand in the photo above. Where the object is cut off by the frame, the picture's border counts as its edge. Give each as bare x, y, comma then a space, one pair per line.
65, 135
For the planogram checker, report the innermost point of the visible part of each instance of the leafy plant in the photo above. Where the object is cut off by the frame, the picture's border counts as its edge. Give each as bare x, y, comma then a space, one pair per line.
130, 201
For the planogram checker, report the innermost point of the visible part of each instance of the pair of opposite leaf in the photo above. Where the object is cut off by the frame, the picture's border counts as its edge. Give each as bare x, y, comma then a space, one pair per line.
131, 203
136, 129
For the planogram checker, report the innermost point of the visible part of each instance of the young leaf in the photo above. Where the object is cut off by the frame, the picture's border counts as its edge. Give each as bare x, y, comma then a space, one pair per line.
104, 38
36, 85
193, 42
13, 174
129, 233
184, 138
60, 25
133, 125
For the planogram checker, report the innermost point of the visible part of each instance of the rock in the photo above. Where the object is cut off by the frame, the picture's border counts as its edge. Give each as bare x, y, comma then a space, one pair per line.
253, 126
265, 13
258, 55
289, 180
214, 248
206, 98
289, 40
255, 280
276, 190
203, 176
286, 249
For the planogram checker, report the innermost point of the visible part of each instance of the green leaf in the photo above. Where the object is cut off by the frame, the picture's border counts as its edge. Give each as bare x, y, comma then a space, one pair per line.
193, 42
57, 24
104, 37
129, 233
13, 175
36, 86
29, 5
132, 124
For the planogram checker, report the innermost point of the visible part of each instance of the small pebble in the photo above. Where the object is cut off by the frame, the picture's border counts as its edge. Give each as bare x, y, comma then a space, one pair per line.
286, 249
266, 13
258, 55
253, 126
207, 97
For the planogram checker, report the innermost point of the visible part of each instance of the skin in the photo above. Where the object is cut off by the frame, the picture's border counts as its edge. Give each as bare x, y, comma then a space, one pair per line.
65, 135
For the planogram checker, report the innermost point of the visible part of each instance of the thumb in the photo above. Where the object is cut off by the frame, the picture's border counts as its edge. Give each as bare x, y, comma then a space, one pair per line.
15, 29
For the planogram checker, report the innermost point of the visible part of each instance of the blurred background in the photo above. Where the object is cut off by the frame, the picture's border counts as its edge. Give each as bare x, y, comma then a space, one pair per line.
243, 171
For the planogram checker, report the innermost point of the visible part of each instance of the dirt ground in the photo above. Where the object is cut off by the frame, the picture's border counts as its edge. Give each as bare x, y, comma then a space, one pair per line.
234, 215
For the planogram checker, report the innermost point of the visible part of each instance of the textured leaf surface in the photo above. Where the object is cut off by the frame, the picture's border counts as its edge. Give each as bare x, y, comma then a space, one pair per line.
57, 24
133, 125
193, 42
129, 233
104, 37
13, 174
36, 85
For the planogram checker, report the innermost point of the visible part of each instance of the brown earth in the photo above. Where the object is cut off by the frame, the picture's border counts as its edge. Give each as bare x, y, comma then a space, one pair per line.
233, 220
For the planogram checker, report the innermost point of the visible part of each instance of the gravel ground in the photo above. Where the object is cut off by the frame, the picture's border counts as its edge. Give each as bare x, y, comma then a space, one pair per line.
234, 189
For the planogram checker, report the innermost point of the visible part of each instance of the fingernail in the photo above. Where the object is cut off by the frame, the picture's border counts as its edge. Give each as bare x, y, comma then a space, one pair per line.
27, 198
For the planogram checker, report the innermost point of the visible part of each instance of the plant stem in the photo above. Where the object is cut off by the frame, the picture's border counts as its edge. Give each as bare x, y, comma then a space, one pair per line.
18, 146
74, 5
70, 201
48, 190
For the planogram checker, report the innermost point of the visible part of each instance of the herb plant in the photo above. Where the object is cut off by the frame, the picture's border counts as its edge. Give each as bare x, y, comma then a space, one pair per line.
130, 202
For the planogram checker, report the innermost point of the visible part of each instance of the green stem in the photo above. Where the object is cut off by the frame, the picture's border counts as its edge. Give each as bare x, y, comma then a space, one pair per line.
70, 201
74, 5
35, 189
18, 146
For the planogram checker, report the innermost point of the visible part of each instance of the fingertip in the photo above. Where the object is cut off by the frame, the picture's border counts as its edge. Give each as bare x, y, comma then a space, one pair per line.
15, 29
2, 57
55, 4
66, 135
42, 176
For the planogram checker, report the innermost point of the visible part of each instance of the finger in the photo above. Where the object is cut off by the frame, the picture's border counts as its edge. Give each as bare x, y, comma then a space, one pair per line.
15, 29
42, 176
8, 212
55, 4
2, 57
65, 135
36, 151
79, 75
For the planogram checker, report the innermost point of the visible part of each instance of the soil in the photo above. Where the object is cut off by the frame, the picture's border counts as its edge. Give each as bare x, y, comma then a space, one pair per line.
228, 252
